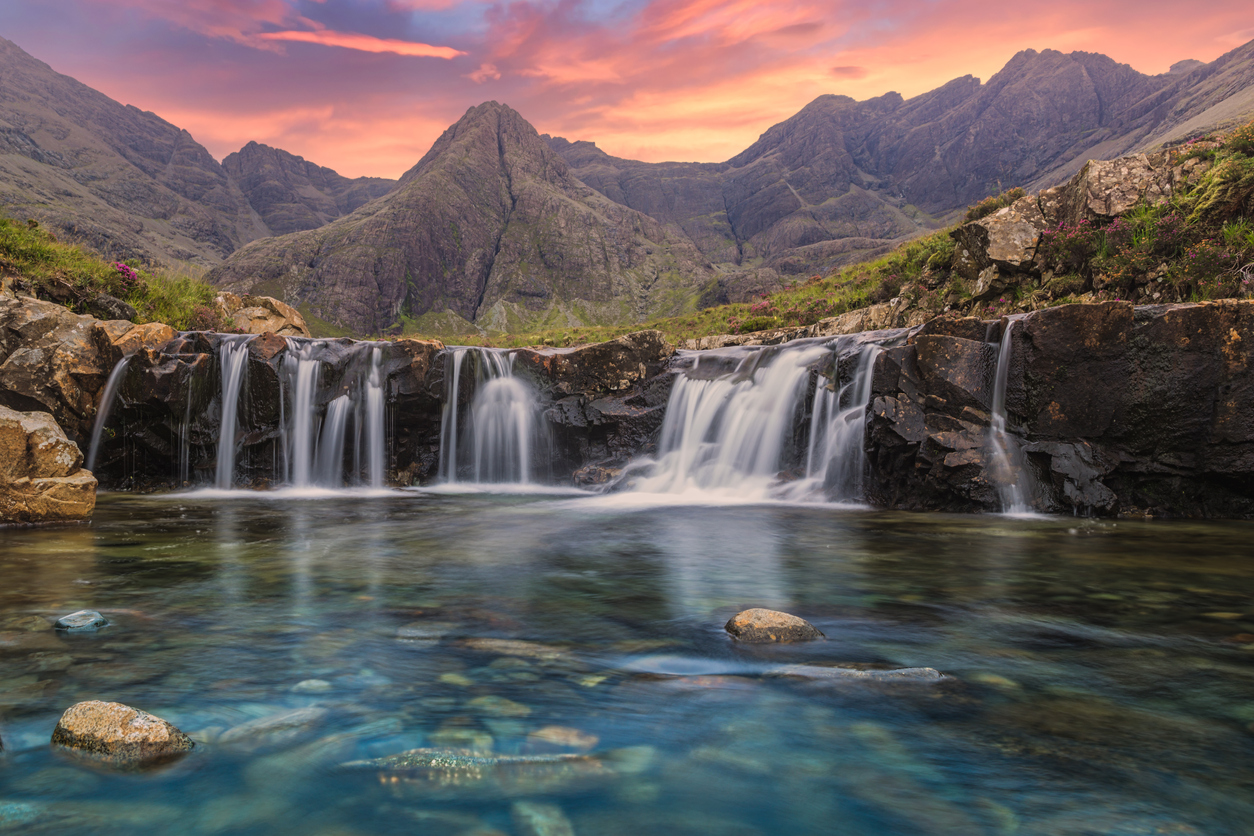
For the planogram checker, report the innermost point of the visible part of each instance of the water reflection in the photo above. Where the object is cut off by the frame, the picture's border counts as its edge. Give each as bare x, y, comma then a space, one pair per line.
1099, 671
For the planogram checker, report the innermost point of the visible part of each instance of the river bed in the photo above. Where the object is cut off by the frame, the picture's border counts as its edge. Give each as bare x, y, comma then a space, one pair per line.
1098, 674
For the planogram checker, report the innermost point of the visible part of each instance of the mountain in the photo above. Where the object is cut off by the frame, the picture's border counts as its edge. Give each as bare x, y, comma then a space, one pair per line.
489, 227
842, 178
129, 184
291, 194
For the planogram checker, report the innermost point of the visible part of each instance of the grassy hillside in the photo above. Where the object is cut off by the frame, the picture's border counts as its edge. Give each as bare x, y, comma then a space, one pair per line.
74, 276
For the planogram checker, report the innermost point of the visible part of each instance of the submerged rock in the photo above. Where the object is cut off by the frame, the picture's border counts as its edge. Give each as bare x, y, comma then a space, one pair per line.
533, 818
760, 626
819, 672
119, 734
83, 621
463, 774
275, 729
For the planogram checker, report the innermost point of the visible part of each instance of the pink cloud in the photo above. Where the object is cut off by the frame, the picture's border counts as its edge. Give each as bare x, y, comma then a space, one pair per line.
363, 43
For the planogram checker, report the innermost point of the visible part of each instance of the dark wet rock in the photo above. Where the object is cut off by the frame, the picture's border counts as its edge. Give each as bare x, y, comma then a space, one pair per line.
104, 306
119, 734
464, 774
759, 626
534, 818
1112, 408
83, 621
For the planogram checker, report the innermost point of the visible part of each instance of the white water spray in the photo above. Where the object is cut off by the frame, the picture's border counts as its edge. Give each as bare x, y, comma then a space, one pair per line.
836, 458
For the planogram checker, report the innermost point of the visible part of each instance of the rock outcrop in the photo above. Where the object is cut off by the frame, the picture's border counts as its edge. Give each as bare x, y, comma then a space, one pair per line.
55, 361
41, 475
119, 735
260, 315
1113, 408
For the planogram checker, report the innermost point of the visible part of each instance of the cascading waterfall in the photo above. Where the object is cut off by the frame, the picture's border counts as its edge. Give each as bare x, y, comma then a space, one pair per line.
376, 442
1008, 472
301, 371
836, 458
233, 363
502, 417
730, 433
105, 407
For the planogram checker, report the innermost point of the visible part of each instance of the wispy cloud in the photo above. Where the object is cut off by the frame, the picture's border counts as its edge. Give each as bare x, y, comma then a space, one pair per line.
363, 43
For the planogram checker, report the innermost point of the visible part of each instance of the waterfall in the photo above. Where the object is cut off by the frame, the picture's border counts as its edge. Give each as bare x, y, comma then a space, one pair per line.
316, 438
1007, 470
376, 442
448, 423
728, 429
105, 407
729, 432
301, 371
836, 457
233, 363
502, 416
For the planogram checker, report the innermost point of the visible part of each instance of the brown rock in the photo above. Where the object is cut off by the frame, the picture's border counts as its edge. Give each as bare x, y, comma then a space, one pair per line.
119, 734
41, 479
561, 737
260, 315
759, 626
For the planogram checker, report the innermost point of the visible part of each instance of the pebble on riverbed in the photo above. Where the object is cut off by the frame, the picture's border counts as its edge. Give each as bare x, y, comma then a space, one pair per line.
759, 626
119, 734
83, 621
534, 818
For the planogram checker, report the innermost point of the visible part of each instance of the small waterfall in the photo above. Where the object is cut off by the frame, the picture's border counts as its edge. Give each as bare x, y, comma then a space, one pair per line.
1007, 470
376, 442
301, 371
316, 438
502, 416
729, 432
185, 442
105, 407
448, 423
233, 362
836, 457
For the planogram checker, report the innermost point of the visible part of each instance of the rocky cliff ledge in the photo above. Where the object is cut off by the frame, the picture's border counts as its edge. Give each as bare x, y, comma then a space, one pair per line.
1110, 408
1116, 409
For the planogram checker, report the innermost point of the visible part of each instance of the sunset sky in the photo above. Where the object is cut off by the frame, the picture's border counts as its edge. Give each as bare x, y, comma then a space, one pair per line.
365, 86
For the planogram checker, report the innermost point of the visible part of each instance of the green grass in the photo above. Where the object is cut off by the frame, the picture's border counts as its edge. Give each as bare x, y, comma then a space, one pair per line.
35, 255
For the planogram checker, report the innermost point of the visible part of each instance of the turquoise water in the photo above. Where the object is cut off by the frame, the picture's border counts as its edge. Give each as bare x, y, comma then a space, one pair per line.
1099, 675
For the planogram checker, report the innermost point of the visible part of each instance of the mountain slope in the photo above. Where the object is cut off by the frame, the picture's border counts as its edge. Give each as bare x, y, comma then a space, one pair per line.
842, 177
122, 180
491, 227
291, 194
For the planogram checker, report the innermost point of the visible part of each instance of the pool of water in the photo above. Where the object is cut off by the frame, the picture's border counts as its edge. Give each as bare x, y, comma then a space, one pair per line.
1099, 675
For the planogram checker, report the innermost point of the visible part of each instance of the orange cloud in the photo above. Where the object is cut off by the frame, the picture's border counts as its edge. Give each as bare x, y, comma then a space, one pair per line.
362, 43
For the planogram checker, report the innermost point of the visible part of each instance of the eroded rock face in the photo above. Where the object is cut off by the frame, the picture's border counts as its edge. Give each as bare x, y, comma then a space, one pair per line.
56, 361
760, 626
1113, 408
41, 475
119, 734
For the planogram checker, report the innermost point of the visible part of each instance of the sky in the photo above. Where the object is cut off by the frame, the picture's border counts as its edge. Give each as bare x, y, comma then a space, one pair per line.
365, 86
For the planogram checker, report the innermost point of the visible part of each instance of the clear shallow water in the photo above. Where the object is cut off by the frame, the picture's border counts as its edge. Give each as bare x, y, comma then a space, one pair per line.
1101, 674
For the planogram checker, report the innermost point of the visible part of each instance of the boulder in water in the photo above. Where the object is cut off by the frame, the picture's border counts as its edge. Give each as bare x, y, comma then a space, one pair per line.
83, 621
119, 734
760, 626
